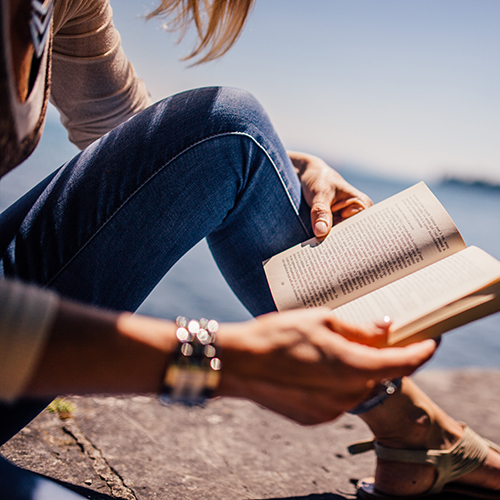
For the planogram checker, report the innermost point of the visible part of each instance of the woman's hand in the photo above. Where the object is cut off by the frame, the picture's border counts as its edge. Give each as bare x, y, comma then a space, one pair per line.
308, 365
326, 192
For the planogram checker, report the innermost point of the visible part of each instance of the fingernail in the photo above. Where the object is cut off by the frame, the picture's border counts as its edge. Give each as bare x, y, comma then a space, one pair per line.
383, 322
320, 228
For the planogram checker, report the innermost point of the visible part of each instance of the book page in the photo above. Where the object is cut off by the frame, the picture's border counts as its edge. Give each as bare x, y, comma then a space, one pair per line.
371, 249
482, 303
430, 289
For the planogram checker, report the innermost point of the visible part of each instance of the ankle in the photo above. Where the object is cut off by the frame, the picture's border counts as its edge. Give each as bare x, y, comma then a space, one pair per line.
409, 419
411, 429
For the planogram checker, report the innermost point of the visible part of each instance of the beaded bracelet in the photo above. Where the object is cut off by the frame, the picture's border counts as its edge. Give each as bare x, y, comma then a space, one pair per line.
193, 373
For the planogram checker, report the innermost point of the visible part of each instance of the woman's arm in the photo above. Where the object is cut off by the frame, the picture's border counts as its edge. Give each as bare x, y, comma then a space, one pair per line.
304, 364
90, 350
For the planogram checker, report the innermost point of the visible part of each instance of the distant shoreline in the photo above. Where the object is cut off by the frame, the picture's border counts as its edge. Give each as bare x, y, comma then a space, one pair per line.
470, 183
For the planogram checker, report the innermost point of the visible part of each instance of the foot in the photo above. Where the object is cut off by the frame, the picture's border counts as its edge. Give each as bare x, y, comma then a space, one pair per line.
410, 420
402, 479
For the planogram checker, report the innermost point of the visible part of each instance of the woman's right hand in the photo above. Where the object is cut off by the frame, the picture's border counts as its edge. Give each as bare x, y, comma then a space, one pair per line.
308, 365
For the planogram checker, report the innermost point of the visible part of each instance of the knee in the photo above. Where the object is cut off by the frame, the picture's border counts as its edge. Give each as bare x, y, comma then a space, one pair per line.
211, 111
236, 110
216, 110
181, 121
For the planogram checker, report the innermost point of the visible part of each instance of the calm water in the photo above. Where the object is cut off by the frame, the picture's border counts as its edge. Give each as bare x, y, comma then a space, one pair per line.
195, 288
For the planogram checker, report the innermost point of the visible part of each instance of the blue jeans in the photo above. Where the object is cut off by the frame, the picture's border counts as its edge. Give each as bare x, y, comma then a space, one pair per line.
107, 226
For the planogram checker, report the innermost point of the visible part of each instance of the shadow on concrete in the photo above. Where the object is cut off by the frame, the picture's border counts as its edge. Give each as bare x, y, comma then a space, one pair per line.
334, 496
317, 496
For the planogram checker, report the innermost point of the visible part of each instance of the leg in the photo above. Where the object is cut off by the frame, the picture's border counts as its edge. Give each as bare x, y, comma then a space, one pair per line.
109, 224
410, 420
114, 220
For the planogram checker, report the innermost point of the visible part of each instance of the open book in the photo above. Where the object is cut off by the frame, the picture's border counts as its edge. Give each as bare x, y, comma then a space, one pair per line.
404, 258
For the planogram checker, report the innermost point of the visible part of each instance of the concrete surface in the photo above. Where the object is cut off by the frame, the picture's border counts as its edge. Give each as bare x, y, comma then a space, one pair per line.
135, 449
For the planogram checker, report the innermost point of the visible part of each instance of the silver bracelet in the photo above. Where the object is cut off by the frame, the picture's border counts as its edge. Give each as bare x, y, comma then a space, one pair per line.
193, 373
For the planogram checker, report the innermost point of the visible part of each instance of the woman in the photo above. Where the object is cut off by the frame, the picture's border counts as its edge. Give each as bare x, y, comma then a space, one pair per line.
148, 185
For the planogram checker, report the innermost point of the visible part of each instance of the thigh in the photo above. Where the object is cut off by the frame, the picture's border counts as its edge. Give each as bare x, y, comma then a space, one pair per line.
111, 222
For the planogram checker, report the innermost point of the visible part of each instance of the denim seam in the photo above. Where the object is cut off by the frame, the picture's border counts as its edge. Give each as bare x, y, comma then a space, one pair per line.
156, 172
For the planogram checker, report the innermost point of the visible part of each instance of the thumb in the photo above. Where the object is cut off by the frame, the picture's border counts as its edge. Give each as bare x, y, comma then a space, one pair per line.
321, 215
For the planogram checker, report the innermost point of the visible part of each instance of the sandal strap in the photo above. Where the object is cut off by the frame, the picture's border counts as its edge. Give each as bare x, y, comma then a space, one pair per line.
466, 455
361, 447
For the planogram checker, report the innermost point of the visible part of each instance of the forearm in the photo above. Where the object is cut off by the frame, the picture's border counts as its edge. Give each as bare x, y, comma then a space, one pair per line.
93, 351
304, 364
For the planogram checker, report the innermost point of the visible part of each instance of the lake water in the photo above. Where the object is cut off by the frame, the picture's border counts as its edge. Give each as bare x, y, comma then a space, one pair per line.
195, 288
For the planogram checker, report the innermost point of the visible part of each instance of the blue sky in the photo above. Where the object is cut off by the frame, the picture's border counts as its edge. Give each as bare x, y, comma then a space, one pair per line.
406, 88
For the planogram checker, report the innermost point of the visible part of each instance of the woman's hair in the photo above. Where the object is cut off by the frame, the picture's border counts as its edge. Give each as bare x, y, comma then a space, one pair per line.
218, 23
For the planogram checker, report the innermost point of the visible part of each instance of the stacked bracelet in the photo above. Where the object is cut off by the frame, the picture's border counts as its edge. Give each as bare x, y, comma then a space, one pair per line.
194, 371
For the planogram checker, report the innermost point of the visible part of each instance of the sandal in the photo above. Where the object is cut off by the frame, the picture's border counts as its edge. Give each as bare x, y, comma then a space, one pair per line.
466, 455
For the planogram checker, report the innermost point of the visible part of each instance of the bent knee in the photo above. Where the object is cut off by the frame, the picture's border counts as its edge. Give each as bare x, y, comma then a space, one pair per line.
209, 111
237, 110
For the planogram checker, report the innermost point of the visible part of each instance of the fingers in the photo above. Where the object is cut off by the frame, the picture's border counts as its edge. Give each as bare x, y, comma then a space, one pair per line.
326, 192
384, 323
334, 197
358, 350
306, 407
354, 350
325, 204
351, 205
397, 361
373, 335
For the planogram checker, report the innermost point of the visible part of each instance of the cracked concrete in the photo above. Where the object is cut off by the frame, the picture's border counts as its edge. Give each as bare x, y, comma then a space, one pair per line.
135, 449
99, 463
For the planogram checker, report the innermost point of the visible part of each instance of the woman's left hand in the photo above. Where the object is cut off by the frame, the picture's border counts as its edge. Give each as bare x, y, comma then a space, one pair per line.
329, 195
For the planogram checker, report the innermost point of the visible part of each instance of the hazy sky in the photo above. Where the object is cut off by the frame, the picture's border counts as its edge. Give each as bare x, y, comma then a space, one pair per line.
410, 88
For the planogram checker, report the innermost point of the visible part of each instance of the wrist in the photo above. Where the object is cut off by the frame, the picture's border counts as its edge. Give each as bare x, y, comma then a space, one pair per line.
157, 337
300, 161
239, 344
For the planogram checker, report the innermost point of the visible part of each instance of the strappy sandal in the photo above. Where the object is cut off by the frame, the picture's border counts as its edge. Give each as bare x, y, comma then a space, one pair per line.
466, 455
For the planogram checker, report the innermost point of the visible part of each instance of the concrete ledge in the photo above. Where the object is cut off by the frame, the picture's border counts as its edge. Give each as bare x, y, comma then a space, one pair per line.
135, 449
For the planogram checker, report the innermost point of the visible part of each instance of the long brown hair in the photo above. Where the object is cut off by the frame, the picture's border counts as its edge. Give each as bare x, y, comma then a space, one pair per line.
218, 23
